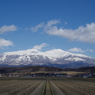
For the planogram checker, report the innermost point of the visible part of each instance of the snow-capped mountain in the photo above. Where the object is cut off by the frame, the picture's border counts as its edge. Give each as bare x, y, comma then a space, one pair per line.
55, 57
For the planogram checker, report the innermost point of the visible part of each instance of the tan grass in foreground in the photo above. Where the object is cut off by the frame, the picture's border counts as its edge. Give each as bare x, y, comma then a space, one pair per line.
47, 86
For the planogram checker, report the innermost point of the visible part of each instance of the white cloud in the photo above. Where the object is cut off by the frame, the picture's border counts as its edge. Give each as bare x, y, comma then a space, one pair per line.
45, 26
8, 28
4, 43
75, 50
83, 34
34, 29
39, 47
65, 23
90, 50
52, 22
80, 50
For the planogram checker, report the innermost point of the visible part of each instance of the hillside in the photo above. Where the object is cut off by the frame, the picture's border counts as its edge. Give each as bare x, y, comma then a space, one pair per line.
28, 69
43, 69
52, 58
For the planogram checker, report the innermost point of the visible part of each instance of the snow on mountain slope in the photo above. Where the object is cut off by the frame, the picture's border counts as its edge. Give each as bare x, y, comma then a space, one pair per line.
52, 53
74, 59
36, 57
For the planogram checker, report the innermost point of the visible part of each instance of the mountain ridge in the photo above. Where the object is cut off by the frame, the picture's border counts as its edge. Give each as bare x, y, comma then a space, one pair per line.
52, 57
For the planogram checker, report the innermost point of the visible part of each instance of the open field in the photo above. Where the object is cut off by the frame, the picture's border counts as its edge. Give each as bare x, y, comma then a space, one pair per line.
73, 72
47, 86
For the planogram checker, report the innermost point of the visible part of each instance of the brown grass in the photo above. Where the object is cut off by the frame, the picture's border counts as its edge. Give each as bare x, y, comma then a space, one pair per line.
47, 86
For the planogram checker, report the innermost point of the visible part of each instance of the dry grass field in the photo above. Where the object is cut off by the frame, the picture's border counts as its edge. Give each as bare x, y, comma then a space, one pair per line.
72, 72
47, 86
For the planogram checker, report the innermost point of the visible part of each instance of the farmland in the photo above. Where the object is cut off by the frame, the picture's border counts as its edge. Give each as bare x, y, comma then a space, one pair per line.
47, 86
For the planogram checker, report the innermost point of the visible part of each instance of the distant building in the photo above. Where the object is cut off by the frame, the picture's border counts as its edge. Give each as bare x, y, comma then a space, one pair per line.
68, 76
0, 75
87, 76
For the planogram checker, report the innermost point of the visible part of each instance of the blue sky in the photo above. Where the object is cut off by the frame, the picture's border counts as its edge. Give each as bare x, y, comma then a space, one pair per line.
53, 24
